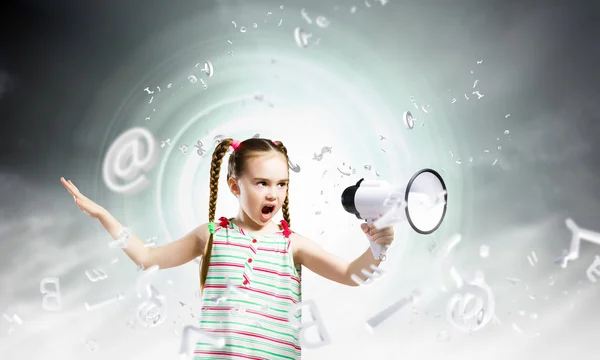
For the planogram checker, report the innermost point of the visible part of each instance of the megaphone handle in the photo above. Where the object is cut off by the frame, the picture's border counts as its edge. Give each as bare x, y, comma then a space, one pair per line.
378, 250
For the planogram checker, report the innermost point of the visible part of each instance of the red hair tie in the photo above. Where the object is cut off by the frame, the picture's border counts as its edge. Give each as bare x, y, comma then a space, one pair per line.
275, 142
223, 221
235, 144
286, 230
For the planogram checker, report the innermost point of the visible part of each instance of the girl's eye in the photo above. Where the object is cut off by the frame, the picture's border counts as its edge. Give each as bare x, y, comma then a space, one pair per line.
264, 183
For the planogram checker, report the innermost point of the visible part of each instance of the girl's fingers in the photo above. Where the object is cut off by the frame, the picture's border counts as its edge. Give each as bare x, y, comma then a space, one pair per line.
73, 190
381, 237
375, 237
382, 232
384, 241
69, 189
65, 183
73, 186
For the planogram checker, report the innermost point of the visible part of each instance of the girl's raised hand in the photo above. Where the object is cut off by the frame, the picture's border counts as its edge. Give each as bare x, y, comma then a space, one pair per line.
83, 203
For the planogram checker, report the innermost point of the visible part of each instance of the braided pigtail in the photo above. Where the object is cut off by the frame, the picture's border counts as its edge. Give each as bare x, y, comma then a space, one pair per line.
285, 208
215, 170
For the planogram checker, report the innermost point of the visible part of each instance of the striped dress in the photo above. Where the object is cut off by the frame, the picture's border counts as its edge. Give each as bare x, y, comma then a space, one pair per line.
252, 316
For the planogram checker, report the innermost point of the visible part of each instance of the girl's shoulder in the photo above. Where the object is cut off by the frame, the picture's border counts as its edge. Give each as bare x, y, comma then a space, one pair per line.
203, 233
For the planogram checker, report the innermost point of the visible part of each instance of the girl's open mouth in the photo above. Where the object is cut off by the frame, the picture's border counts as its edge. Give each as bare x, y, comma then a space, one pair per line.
267, 212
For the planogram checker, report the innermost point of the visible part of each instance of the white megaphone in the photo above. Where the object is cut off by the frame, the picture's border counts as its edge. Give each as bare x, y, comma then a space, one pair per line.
422, 202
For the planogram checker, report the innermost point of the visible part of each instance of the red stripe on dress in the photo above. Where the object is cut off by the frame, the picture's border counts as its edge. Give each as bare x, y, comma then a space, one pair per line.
229, 308
271, 294
250, 334
226, 353
266, 315
273, 250
208, 286
227, 265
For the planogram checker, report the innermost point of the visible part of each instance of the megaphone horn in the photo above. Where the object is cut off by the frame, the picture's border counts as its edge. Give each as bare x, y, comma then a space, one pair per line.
422, 202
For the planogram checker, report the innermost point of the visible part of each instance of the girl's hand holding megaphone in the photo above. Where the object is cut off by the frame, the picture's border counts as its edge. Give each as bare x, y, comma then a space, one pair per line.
383, 236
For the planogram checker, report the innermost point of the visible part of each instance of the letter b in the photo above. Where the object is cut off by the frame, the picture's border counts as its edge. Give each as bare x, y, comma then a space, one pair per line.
50, 305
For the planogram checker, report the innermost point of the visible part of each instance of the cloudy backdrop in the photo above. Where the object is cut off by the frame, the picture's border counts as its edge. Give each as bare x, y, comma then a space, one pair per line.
505, 95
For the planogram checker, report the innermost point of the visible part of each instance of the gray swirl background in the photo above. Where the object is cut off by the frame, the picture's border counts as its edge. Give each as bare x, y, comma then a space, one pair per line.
75, 80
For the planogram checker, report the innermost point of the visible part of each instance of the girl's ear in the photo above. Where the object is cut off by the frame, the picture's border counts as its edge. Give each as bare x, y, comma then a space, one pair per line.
233, 186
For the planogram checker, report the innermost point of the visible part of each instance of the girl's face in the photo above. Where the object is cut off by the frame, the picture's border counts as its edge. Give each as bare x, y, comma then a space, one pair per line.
262, 188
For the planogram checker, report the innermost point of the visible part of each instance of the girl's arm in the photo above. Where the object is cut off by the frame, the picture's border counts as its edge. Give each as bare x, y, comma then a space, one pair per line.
331, 267
176, 253
321, 262
173, 254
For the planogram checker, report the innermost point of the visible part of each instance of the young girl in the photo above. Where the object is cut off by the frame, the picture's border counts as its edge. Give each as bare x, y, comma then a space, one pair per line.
248, 253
